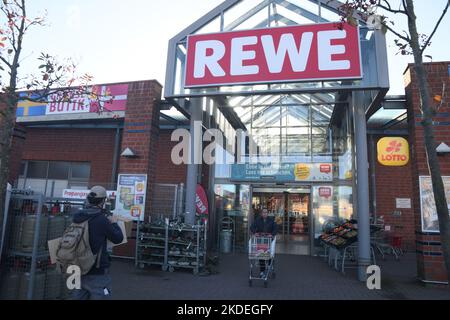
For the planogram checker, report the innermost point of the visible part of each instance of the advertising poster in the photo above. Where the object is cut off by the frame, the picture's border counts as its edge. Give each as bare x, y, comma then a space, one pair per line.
131, 195
313, 172
283, 172
111, 97
430, 222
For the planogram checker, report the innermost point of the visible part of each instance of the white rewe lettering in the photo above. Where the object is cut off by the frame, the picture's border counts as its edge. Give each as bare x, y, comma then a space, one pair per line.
203, 60
298, 57
327, 50
239, 55
273, 55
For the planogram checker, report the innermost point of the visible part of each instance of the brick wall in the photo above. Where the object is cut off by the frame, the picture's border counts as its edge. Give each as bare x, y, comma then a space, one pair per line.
393, 183
430, 260
95, 146
141, 134
167, 171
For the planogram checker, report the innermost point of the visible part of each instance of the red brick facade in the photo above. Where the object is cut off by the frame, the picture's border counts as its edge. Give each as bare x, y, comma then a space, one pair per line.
167, 171
430, 260
141, 132
95, 146
393, 183
153, 148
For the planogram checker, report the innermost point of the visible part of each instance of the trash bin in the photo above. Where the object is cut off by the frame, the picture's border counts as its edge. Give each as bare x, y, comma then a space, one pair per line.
226, 237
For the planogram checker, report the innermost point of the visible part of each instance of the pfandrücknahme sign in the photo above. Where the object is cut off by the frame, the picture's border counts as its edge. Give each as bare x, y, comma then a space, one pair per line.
327, 51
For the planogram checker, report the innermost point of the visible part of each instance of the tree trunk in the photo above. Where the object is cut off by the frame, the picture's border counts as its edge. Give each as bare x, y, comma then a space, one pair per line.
9, 119
6, 135
430, 141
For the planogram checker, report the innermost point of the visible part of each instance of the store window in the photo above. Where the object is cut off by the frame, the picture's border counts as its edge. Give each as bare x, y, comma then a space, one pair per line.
233, 201
52, 177
343, 146
331, 206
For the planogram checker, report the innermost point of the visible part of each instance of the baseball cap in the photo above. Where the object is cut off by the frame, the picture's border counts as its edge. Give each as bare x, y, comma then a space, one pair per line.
98, 192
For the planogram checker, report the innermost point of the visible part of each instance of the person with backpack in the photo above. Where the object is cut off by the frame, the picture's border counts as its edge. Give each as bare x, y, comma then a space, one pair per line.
84, 244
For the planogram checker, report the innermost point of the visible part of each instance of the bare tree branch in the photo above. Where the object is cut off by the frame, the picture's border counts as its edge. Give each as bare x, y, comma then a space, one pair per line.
6, 62
406, 38
435, 28
411, 15
388, 8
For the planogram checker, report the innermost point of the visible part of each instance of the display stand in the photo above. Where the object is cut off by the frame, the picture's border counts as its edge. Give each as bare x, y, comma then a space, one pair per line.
172, 245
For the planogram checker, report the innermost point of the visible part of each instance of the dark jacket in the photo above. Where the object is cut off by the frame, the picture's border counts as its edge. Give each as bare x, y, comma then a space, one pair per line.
100, 230
264, 226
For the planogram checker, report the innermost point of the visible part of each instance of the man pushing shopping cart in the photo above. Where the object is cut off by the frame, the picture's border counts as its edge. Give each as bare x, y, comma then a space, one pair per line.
262, 247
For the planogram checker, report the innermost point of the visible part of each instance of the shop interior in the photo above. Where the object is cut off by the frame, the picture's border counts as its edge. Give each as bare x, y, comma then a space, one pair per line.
291, 210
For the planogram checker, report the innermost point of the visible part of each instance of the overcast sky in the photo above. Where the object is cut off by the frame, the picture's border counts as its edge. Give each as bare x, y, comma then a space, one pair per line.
117, 40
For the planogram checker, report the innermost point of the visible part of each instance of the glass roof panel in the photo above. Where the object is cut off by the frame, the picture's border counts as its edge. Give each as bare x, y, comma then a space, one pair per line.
174, 114
387, 117
306, 5
236, 14
253, 21
296, 116
286, 11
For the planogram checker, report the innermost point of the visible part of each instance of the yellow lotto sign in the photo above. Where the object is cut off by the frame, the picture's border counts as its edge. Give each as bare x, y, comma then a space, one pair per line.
393, 152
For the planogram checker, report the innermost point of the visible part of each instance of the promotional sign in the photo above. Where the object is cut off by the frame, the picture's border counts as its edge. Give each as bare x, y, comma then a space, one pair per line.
313, 172
328, 51
325, 192
393, 152
111, 97
132, 191
82, 194
430, 221
201, 201
283, 172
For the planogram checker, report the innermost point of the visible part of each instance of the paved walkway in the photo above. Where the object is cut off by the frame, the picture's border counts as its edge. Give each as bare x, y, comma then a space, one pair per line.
298, 278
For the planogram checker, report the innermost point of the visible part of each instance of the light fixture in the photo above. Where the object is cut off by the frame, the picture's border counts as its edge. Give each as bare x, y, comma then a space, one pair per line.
129, 153
443, 148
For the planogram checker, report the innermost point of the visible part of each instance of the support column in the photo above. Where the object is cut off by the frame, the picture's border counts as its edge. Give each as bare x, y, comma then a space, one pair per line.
362, 185
195, 158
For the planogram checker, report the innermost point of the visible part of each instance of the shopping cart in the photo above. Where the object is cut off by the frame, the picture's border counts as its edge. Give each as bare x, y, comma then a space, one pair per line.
261, 255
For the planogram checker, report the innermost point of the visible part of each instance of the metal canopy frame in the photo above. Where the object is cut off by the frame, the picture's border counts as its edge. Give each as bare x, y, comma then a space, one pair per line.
364, 97
176, 53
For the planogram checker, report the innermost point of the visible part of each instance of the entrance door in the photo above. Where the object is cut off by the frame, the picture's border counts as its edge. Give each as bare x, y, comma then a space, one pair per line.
291, 210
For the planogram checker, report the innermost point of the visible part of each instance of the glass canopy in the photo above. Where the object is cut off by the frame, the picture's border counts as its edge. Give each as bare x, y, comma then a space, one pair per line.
235, 15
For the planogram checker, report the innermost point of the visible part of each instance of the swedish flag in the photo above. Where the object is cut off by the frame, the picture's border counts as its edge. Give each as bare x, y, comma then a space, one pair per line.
26, 108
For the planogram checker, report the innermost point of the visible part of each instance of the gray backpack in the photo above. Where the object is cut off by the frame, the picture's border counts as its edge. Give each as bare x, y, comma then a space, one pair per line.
74, 249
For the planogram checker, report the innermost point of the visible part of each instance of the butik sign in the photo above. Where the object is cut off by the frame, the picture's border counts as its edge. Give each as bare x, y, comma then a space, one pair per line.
329, 51
393, 152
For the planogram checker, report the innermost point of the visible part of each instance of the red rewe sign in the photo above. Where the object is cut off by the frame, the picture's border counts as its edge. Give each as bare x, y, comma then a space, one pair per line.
325, 168
201, 201
329, 51
325, 192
